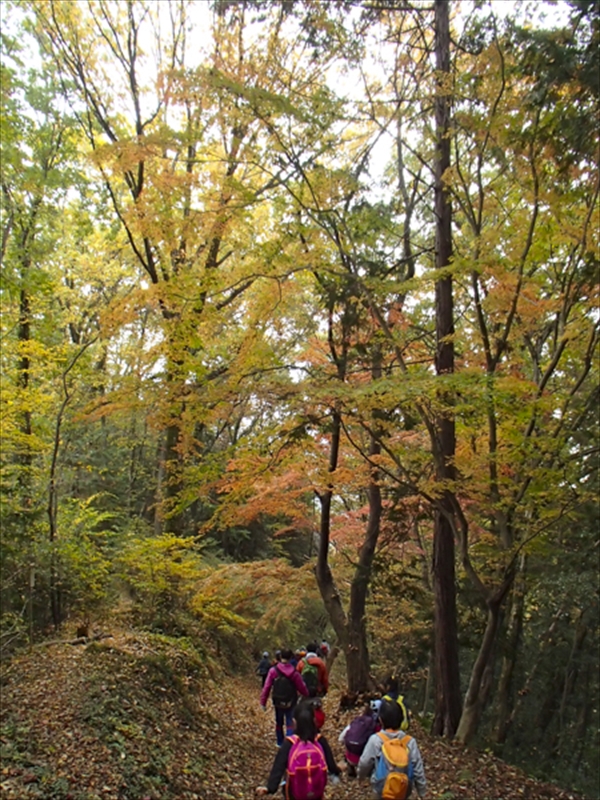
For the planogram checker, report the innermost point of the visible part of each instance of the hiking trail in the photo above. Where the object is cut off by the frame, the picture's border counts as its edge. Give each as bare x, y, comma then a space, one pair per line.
122, 719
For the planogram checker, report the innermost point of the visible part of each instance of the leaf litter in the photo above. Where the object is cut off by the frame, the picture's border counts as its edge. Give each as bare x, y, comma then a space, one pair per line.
134, 718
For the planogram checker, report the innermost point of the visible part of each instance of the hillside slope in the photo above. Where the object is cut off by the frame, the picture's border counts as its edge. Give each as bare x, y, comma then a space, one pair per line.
136, 717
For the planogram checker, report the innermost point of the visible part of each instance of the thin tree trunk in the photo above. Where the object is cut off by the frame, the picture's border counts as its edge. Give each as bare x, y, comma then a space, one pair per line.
52, 504
448, 705
569, 681
428, 681
511, 649
358, 653
583, 718
160, 478
351, 628
26, 456
327, 587
173, 518
481, 677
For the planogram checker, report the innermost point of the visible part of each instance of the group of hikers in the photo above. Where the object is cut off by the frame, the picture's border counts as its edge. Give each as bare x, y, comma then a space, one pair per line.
376, 742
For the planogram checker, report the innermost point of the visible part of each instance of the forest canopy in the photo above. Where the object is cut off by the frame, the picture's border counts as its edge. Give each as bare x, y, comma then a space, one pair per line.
300, 336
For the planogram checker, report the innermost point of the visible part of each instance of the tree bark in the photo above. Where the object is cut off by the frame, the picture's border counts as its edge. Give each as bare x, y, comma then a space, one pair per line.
448, 705
481, 677
351, 628
511, 648
173, 518
357, 653
561, 733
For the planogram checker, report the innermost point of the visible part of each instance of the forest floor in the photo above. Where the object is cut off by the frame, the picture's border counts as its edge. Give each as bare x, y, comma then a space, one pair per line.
120, 719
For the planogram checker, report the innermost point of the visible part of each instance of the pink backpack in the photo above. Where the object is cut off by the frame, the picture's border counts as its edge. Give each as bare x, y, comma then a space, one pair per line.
306, 770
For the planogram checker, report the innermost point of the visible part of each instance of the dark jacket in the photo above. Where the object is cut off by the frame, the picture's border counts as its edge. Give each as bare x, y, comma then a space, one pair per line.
264, 665
281, 760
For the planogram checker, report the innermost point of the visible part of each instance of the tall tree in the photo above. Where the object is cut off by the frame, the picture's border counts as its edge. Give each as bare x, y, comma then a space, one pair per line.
447, 708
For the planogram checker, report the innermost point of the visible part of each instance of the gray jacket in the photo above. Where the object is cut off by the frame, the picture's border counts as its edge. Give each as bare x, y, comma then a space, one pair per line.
366, 765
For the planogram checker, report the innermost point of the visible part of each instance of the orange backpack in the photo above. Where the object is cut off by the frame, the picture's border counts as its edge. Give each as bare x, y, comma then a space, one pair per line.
393, 768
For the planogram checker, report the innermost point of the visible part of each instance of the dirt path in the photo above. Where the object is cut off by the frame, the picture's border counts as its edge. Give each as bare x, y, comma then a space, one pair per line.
259, 739
122, 720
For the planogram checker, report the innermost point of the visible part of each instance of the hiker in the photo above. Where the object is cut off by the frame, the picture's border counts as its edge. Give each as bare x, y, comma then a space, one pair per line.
356, 734
324, 650
284, 683
314, 672
391, 692
317, 707
303, 761
381, 753
264, 665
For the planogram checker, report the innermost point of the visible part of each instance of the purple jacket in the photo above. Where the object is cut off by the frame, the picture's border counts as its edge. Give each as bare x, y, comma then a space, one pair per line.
290, 671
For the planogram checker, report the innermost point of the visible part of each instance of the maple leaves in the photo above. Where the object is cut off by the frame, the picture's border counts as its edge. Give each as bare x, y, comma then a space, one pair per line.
266, 315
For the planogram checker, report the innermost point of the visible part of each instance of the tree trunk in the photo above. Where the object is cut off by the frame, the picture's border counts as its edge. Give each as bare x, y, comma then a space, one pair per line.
511, 649
25, 459
481, 677
583, 718
428, 681
327, 587
52, 503
173, 518
351, 629
447, 674
561, 733
447, 711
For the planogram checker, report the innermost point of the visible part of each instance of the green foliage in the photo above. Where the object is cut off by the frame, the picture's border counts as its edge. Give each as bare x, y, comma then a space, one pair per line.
85, 551
161, 571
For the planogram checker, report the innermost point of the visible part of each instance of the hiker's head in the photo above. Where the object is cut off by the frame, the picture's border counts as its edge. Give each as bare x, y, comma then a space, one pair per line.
390, 715
265, 654
278, 655
286, 654
304, 719
391, 684
374, 708
311, 648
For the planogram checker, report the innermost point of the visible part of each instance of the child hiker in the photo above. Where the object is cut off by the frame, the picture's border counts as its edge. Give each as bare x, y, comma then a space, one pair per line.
392, 692
302, 762
264, 665
283, 683
392, 758
355, 736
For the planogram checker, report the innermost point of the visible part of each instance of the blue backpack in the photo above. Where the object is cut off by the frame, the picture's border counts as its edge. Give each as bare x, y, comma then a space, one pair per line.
393, 768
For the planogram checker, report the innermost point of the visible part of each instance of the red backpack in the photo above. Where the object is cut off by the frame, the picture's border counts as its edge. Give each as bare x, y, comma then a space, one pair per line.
306, 770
